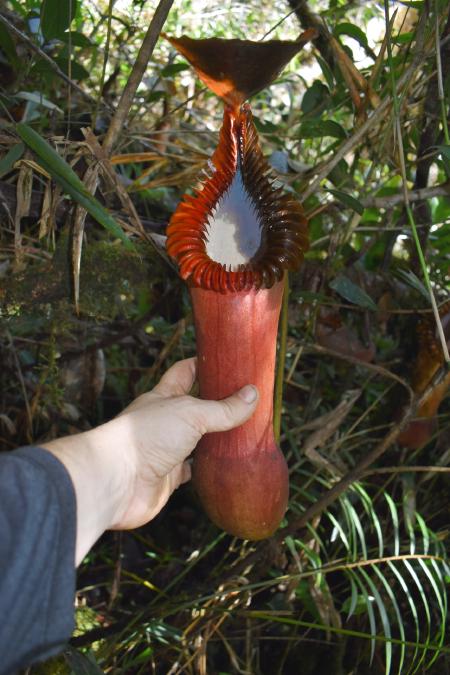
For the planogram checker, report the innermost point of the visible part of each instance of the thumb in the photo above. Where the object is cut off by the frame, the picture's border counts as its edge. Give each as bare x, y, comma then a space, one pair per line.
230, 412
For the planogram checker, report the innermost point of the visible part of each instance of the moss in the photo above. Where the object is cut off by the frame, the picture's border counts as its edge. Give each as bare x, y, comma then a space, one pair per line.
56, 666
112, 281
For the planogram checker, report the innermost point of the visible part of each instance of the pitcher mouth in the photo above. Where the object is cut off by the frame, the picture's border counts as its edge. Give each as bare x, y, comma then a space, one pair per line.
237, 231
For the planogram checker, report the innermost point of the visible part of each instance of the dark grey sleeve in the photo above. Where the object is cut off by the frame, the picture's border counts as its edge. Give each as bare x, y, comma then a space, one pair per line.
37, 553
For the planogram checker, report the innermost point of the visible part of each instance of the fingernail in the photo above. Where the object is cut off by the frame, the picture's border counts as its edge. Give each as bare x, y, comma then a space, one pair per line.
249, 393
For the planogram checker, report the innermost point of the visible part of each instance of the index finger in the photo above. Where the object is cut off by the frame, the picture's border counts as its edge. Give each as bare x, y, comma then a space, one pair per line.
178, 380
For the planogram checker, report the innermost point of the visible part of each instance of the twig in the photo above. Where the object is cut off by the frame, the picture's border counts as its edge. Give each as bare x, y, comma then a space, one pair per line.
327, 426
8, 200
180, 329
137, 73
308, 19
127, 203
105, 62
408, 469
54, 66
112, 337
414, 196
384, 372
22, 385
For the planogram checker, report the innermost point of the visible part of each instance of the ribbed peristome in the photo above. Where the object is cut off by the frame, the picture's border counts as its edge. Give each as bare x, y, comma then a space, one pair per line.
284, 238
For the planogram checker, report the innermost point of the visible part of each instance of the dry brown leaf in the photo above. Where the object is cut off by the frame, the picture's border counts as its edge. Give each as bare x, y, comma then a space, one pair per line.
45, 211
90, 180
23, 192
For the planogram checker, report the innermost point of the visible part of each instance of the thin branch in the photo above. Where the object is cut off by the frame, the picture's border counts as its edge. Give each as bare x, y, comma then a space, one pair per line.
408, 469
22, 385
389, 201
309, 19
137, 73
384, 372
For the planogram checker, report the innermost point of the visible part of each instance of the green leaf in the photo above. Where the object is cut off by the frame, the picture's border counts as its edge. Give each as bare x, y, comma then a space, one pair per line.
444, 150
156, 96
412, 280
39, 99
372, 515
445, 154
355, 603
77, 39
441, 597
314, 96
352, 31
326, 70
351, 292
174, 69
398, 614
405, 588
370, 613
441, 211
383, 616
8, 45
310, 296
69, 181
82, 664
348, 200
265, 126
56, 17
18, 6
395, 522
403, 38
359, 529
319, 128
77, 71
423, 596
11, 157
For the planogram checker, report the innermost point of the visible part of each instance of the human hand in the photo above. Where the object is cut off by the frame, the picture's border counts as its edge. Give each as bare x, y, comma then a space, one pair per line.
125, 470
160, 430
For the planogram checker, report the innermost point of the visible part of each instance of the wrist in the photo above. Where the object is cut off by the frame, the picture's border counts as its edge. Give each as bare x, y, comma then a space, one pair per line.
101, 478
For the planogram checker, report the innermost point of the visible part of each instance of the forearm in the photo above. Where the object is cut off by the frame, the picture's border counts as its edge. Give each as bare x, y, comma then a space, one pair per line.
100, 488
